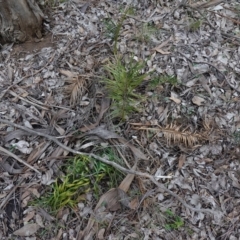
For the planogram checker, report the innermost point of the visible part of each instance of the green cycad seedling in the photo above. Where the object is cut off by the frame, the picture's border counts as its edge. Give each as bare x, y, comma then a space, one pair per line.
121, 85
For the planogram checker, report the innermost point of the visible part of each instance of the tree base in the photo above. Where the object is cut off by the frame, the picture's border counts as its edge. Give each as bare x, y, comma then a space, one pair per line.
20, 20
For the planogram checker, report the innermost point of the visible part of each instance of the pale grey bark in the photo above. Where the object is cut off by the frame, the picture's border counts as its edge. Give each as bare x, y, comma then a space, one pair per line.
20, 20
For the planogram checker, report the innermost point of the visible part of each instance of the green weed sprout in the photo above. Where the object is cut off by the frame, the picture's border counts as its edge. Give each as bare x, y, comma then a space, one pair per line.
146, 31
110, 28
195, 25
113, 29
174, 222
65, 193
236, 137
82, 175
121, 85
155, 81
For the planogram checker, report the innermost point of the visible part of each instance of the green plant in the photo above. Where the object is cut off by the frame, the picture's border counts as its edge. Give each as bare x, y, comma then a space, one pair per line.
188, 110
237, 10
173, 222
123, 78
110, 28
12, 148
159, 80
66, 193
236, 137
82, 175
114, 176
121, 85
113, 29
146, 31
130, 11
195, 25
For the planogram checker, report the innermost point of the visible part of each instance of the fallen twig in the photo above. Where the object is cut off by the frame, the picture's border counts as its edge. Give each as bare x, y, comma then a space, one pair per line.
206, 4
229, 18
10, 193
18, 159
211, 65
113, 164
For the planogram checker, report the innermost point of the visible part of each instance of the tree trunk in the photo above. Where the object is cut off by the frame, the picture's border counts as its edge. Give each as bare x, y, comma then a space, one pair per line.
20, 20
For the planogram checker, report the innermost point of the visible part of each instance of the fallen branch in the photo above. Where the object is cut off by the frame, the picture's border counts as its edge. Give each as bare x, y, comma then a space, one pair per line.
113, 164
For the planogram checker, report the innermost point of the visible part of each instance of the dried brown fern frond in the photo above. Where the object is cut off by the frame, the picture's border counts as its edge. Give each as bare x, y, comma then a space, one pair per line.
211, 131
76, 88
174, 134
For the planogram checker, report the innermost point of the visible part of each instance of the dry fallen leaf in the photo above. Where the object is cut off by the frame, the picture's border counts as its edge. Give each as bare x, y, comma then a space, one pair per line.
127, 181
159, 50
105, 103
111, 201
67, 73
175, 98
134, 203
106, 134
3, 195
192, 82
198, 100
108, 201
23, 147
101, 233
181, 160
163, 44
59, 235
47, 177
59, 129
235, 181
29, 216
27, 230
39, 220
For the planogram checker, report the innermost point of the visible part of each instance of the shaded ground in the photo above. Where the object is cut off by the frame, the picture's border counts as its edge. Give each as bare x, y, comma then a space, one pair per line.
185, 135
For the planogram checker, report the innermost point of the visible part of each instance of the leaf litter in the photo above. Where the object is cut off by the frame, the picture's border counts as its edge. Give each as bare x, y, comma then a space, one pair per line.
185, 135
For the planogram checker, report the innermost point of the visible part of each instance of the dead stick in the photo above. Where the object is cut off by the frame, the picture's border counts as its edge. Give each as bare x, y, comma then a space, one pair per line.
3, 203
19, 159
113, 164
213, 66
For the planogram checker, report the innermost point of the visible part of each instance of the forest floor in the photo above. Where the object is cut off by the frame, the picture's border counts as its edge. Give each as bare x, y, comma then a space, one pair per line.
87, 155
